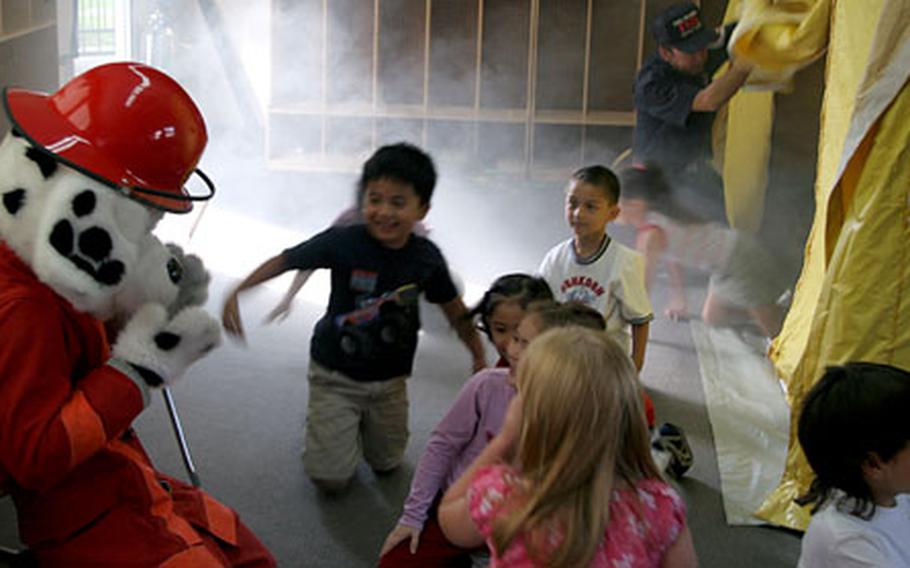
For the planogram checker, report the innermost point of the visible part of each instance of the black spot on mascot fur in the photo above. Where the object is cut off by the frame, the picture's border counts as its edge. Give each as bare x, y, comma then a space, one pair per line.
167, 340
13, 200
45, 162
62, 238
84, 203
94, 243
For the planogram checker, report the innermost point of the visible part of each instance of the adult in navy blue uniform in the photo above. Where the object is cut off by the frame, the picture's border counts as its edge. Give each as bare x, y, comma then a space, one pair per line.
675, 102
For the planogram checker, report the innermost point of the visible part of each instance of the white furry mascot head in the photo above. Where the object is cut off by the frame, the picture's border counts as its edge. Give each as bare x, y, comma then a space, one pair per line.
85, 174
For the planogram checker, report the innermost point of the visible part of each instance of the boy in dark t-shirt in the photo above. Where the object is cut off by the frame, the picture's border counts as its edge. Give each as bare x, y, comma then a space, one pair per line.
363, 347
676, 100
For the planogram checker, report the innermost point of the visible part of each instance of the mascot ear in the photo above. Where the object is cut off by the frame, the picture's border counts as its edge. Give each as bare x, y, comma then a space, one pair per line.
23, 189
192, 279
149, 281
164, 275
163, 328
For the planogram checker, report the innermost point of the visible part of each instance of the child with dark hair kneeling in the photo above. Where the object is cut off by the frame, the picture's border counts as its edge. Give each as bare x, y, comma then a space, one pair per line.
854, 431
363, 348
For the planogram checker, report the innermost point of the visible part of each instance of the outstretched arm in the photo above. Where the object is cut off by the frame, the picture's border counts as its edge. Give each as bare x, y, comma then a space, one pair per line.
230, 315
457, 314
447, 442
283, 309
723, 88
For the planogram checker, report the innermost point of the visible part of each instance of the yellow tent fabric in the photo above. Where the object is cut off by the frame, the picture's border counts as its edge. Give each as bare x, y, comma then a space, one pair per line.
744, 157
852, 301
743, 134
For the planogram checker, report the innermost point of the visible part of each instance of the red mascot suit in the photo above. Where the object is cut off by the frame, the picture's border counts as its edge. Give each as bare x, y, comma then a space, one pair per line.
85, 175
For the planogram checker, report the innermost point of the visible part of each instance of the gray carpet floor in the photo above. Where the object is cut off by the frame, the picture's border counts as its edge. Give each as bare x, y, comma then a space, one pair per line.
243, 410
243, 406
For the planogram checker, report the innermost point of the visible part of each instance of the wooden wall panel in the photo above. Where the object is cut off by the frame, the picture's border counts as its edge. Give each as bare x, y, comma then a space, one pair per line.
349, 44
453, 53
504, 70
402, 32
451, 140
501, 145
561, 54
393, 130
558, 146
297, 51
496, 84
614, 52
604, 143
296, 135
351, 136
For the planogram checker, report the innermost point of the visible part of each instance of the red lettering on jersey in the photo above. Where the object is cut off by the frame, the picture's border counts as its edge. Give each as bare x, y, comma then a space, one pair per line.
585, 281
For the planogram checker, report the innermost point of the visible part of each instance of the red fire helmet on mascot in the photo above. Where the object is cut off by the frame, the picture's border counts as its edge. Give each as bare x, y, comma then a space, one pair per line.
127, 125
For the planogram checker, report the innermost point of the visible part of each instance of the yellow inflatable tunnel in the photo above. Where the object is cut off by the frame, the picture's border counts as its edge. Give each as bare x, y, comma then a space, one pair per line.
852, 300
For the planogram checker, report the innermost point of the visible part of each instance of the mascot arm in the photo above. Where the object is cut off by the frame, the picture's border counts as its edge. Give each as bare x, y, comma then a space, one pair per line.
161, 348
160, 328
50, 420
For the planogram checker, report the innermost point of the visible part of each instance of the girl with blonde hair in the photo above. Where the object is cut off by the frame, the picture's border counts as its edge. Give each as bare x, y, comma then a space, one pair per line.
569, 481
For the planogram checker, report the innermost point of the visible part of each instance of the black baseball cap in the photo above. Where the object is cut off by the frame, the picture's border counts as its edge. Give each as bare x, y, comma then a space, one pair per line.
680, 26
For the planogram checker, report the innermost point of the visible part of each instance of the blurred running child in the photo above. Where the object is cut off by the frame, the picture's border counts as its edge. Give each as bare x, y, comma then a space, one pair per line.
597, 271
569, 480
745, 281
854, 431
362, 349
473, 420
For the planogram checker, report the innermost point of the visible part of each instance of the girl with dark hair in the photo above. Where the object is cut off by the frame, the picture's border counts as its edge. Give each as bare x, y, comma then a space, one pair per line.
502, 307
854, 431
474, 418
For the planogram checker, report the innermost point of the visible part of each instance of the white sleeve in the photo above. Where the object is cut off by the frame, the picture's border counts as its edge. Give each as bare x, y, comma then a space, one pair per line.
547, 269
633, 295
856, 550
545, 264
835, 539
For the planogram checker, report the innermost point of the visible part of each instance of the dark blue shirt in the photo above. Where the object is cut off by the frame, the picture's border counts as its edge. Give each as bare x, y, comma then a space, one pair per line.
369, 330
667, 131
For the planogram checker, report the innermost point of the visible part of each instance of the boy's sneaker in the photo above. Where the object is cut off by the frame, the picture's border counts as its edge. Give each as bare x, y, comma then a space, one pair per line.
671, 439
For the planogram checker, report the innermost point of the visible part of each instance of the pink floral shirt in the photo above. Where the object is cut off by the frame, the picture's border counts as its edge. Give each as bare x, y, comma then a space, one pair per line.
644, 521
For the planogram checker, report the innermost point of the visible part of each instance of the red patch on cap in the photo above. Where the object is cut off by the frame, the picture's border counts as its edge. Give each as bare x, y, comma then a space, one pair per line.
687, 24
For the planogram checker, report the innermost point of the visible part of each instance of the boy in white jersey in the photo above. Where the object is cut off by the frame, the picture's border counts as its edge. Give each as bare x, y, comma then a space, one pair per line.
593, 269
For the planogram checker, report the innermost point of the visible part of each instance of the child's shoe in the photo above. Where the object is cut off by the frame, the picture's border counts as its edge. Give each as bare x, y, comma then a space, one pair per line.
671, 439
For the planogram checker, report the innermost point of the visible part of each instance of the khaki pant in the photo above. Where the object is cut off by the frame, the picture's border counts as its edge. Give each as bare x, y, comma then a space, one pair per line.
348, 419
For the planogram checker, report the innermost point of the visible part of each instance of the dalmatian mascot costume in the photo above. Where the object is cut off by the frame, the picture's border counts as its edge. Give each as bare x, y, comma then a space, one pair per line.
95, 313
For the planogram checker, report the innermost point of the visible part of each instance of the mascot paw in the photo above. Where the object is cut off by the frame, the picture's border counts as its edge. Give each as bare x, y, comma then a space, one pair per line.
161, 348
193, 281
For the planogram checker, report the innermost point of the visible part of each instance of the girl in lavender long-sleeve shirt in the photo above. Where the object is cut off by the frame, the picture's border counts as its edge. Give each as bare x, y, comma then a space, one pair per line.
473, 420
